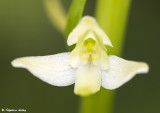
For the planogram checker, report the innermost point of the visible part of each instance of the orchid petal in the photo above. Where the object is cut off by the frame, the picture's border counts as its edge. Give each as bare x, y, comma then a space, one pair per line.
88, 80
53, 69
87, 24
74, 58
121, 71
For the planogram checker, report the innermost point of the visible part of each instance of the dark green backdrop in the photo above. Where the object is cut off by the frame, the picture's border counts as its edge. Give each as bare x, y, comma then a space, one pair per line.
26, 31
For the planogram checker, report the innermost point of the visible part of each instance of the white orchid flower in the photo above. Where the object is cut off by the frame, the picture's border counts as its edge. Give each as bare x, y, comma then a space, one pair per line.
88, 65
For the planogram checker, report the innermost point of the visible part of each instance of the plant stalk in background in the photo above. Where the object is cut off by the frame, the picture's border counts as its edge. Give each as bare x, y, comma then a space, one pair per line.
112, 17
56, 14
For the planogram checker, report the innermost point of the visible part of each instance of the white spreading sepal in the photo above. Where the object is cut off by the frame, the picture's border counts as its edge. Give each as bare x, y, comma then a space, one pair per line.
53, 69
121, 71
86, 25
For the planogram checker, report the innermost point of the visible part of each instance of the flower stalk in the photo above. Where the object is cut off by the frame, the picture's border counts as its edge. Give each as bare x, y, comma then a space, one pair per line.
112, 17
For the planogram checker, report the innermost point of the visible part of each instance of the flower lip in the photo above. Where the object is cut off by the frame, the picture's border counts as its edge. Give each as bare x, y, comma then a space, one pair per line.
84, 85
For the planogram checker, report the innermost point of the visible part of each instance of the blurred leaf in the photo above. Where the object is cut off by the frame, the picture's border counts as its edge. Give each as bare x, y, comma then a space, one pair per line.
56, 14
74, 15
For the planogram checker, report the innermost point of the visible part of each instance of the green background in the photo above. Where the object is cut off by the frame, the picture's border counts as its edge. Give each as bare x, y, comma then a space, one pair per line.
25, 30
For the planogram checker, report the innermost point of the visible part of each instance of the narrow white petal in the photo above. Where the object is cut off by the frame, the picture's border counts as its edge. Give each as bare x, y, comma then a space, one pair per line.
88, 80
87, 24
53, 69
104, 62
103, 35
74, 59
121, 71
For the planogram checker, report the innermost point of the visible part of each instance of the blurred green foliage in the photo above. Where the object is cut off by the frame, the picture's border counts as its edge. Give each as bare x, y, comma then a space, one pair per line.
26, 31
74, 14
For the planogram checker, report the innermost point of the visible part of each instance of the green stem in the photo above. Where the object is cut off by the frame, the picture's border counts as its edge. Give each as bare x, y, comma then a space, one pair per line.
112, 17
100, 102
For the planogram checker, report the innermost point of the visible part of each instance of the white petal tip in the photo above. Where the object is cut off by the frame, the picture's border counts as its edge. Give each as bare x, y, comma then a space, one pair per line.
69, 42
111, 45
145, 68
107, 42
16, 63
86, 91
22, 62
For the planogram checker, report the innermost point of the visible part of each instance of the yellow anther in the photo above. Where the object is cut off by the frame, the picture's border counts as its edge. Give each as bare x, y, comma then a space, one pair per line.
92, 59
